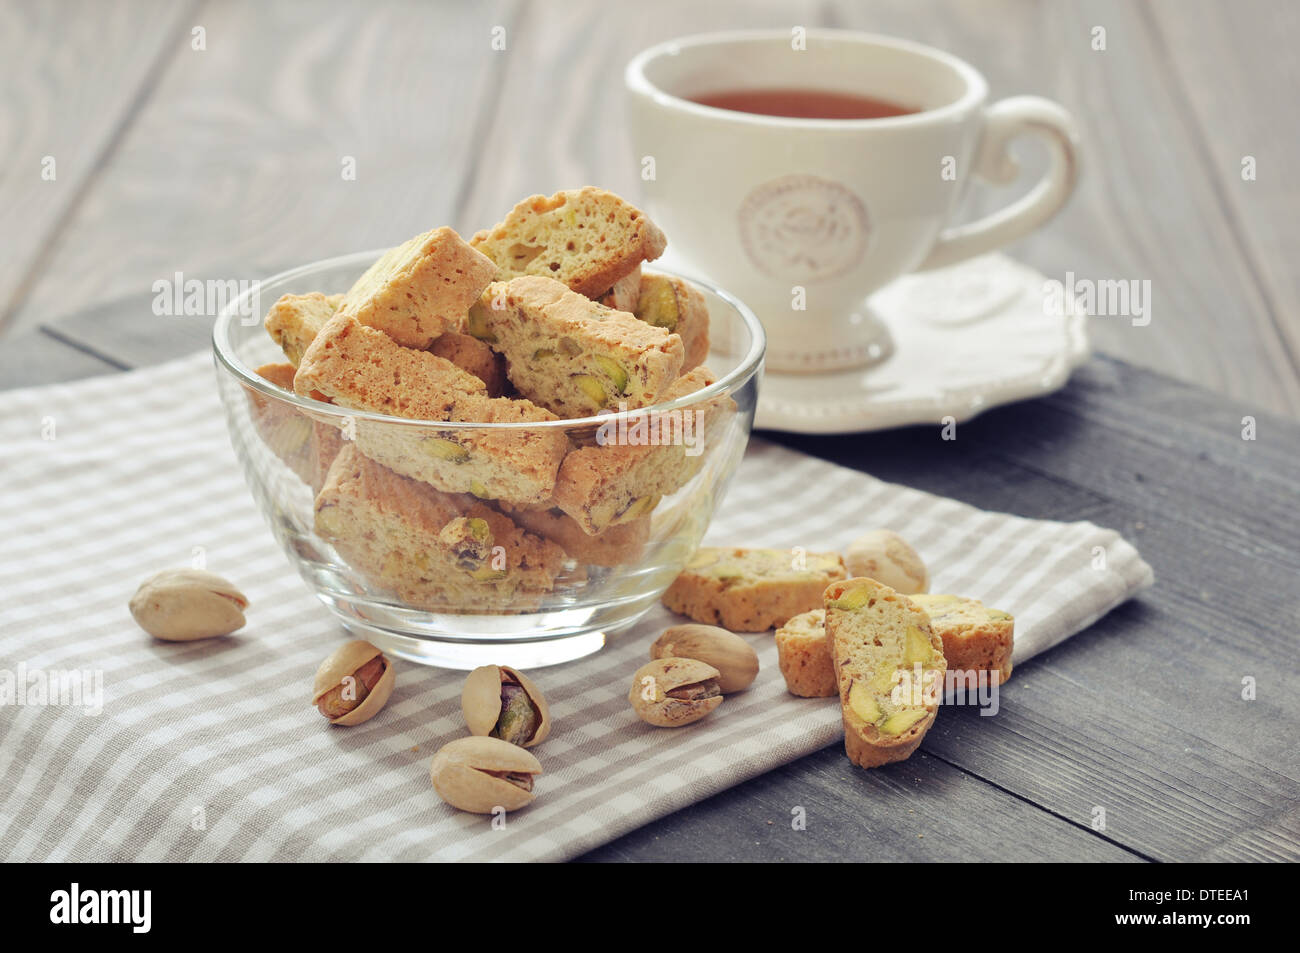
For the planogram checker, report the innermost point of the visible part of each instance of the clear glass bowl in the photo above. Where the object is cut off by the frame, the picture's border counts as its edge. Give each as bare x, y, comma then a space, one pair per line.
456, 579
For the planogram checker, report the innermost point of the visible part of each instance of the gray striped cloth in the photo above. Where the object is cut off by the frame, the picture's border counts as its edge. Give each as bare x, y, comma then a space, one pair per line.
210, 751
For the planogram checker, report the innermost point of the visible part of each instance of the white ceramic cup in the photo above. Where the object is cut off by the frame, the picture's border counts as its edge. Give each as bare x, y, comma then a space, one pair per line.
822, 212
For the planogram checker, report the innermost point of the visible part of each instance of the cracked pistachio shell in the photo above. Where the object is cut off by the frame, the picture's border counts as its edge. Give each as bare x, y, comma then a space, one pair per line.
480, 701
459, 773
733, 657
654, 680
181, 605
344, 662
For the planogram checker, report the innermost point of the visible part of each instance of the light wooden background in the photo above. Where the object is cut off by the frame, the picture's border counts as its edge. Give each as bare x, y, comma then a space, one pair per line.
226, 162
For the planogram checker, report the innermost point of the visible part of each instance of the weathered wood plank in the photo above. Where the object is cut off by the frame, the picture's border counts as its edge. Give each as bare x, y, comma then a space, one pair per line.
562, 93
1241, 79
74, 73
240, 162
924, 810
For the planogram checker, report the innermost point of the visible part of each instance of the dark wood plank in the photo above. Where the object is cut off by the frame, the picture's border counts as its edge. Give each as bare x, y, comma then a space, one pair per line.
1142, 714
34, 358
924, 810
1147, 207
234, 167
74, 73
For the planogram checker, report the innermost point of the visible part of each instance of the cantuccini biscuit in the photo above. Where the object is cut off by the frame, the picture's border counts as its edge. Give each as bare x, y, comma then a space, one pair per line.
616, 546
624, 294
804, 654
624, 479
433, 550
586, 238
880, 641
294, 321
975, 637
570, 354
474, 356
359, 367
751, 590
674, 305
421, 288
306, 446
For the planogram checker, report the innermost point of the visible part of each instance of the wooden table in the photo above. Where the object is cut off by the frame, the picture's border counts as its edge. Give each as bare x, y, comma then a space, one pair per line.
211, 138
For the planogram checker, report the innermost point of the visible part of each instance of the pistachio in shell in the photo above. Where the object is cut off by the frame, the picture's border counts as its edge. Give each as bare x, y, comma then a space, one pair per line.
733, 657
671, 692
481, 774
182, 605
500, 702
353, 684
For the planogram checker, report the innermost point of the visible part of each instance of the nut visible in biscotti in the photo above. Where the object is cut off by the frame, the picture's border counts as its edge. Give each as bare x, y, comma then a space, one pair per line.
671, 692
500, 702
353, 684
180, 605
480, 775
732, 656
886, 557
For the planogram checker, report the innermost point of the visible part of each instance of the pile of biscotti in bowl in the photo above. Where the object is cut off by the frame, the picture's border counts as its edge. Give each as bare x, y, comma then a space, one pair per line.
514, 439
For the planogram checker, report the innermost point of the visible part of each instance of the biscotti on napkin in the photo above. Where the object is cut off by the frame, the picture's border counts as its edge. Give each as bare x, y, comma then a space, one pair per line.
889, 669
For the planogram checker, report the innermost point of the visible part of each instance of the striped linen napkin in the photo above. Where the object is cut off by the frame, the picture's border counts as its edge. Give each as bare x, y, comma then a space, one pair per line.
210, 751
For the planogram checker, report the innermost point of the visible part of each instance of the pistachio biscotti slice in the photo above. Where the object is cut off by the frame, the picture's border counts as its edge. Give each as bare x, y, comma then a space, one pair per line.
586, 238
675, 306
623, 296
434, 550
421, 288
975, 637
361, 368
307, 446
623, 479
615, 546
889, 667
294, 321
751, 590
804, 654
570, 354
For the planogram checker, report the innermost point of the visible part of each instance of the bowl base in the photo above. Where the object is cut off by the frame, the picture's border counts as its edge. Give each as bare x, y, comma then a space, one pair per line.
464, 656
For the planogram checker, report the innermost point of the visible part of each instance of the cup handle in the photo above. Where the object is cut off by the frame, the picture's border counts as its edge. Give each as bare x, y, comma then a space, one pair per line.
1003, 122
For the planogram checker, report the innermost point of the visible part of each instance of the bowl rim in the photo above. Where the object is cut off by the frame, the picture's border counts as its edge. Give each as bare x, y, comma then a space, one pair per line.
225, 357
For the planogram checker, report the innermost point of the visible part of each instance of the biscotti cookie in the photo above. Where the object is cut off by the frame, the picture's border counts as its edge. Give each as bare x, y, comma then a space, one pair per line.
623, 480
675, 306
804, 654
434, 550
623, 296
473, 356
307, 447
615, 546
878, 641
421, 288
586, 238
751, 590
359, 367
571, 355
975, 637
294, 321
886, 557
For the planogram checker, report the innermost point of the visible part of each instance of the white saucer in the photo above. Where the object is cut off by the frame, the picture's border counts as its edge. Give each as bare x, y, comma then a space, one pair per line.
966, 338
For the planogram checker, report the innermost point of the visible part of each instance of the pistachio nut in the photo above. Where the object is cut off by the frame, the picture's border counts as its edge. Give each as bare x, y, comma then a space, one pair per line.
481, 775
732, 656
180, 605
353, 684
671, 692
886, 557
503, 703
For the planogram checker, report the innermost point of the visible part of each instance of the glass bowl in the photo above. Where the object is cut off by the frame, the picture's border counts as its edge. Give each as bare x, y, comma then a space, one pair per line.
449, 575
